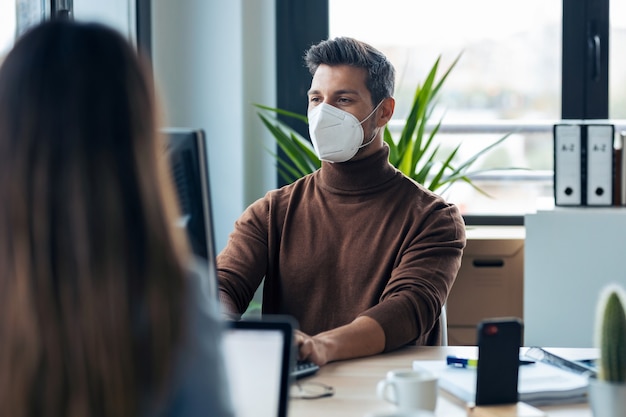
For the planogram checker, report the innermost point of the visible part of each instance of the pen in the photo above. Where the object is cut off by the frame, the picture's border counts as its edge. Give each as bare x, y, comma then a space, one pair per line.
472, 363
461, 362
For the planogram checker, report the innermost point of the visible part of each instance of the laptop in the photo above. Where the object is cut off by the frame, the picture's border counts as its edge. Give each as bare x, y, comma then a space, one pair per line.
259, 358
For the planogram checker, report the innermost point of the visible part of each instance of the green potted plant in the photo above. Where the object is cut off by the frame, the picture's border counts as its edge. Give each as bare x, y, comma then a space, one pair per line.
414, 152
607, 391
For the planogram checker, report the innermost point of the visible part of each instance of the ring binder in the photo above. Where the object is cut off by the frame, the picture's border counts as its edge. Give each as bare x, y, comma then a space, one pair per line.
599, 165
568, 158
585, 165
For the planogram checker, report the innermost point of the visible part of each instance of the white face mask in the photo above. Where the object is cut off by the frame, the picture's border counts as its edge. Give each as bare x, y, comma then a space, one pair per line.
336, 134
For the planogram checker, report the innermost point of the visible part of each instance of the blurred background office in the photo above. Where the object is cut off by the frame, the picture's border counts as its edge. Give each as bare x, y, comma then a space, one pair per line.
524, 65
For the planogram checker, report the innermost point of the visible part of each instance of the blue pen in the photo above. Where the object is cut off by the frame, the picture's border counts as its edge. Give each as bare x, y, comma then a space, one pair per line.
461, 362
472, 363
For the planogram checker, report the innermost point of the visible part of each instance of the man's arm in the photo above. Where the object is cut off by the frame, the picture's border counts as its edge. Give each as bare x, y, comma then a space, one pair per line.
363, 337
242, 264
228, 308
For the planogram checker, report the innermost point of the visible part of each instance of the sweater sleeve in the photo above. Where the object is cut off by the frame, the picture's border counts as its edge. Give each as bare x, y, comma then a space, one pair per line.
242, 264
421, 280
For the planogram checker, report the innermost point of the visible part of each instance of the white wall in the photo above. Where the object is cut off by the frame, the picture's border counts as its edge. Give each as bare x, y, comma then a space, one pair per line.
212, 59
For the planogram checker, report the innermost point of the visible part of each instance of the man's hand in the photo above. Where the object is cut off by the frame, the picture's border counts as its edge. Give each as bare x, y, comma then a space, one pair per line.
310, 348
362, 337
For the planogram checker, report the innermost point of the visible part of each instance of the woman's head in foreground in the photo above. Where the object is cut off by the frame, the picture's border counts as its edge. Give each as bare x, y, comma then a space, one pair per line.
91, 266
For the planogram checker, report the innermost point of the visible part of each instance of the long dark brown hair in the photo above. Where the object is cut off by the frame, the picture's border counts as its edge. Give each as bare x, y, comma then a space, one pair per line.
91, 265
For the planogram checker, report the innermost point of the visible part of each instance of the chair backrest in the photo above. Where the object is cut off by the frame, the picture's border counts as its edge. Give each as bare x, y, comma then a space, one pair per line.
439, 334
443, 326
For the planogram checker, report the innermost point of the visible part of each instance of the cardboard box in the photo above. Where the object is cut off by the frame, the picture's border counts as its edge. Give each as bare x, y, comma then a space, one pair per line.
490, 282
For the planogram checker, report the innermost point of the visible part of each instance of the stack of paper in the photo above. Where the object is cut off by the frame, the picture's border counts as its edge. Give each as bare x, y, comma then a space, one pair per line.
539, 383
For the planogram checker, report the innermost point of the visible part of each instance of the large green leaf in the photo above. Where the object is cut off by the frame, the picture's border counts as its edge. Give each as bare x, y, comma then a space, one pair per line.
300, 158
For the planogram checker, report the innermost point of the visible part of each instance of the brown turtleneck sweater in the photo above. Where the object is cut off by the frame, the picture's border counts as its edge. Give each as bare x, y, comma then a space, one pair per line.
353, 238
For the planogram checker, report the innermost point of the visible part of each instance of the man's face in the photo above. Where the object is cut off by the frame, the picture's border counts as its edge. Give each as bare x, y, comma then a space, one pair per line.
343, 86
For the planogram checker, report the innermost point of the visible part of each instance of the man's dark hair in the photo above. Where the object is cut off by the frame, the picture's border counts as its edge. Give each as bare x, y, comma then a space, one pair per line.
347, 51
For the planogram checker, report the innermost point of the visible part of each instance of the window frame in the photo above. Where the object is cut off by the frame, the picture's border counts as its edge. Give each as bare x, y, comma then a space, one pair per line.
585, 71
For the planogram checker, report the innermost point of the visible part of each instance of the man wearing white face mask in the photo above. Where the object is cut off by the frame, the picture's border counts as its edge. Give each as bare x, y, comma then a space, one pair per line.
336, 134
362, 256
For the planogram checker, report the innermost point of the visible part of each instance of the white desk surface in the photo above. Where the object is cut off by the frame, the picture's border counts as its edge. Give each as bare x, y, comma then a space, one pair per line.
355, 384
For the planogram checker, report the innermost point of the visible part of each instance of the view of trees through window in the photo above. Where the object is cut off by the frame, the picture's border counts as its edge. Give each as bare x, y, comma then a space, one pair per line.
511, 57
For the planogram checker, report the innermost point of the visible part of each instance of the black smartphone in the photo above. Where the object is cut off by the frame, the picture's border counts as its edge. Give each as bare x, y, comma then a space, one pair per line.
499, 342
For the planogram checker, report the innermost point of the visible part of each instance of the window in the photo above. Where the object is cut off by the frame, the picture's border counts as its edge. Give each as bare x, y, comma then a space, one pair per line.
7, 25
617, 58
16, 16
558, 75
507, 80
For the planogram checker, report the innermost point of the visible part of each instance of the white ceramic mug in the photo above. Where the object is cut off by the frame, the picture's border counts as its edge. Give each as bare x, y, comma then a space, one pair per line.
409, 389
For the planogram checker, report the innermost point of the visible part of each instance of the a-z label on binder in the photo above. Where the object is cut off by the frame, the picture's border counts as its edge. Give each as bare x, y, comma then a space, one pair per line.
568, 157
600, 165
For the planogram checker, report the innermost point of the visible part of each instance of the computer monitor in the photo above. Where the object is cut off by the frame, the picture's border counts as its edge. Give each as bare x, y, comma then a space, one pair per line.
188, 159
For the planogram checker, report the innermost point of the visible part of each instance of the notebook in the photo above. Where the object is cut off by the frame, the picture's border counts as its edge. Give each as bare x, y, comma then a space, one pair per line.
539, 383
259, 359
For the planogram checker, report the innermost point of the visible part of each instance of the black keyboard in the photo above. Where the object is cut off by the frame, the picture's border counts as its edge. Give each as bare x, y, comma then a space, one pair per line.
304, 368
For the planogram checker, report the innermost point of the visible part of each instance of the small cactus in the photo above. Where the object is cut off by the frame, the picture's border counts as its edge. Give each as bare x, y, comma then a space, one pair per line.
612, 336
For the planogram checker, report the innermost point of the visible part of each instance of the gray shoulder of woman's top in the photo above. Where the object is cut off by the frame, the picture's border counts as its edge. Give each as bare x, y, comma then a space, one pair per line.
202, 283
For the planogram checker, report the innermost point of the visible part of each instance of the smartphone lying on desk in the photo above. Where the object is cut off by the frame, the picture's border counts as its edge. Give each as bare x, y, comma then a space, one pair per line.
499, 341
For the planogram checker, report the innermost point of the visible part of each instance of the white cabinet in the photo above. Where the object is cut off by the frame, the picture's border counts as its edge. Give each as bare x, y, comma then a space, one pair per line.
570, 255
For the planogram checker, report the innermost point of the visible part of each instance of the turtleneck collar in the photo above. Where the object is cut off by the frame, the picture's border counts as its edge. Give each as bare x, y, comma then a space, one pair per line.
360, 175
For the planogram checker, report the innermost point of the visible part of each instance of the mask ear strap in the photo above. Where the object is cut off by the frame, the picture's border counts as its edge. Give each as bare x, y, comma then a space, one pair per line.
370, 115
375, 132
370, 141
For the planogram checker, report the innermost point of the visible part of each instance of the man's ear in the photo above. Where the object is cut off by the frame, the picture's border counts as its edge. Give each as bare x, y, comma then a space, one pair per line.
386, 111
